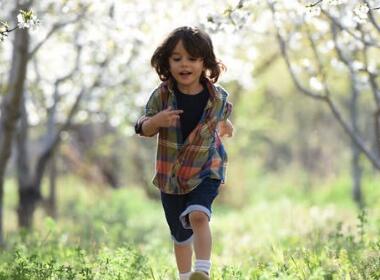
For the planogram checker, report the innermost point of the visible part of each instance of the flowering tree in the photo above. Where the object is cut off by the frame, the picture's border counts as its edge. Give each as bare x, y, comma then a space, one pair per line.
343, 40
25, 19
331, 51
81, 69
10, 103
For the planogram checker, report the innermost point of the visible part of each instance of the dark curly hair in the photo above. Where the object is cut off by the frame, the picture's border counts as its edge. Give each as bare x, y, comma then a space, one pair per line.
197, 43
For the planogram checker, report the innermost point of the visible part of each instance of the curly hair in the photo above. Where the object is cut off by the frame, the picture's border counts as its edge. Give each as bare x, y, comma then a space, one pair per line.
197, 43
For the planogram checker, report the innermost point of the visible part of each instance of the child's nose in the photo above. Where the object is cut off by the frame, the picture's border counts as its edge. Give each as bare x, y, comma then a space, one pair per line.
184, 62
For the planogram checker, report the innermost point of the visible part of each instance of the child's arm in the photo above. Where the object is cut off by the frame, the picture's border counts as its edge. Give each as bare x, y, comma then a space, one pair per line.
225, 128
165, 118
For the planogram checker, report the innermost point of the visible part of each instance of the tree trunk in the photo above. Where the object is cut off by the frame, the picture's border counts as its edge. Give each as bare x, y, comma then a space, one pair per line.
28, 193
11, 102
356, 172
356, 169
1, 215
28, 198
51, 207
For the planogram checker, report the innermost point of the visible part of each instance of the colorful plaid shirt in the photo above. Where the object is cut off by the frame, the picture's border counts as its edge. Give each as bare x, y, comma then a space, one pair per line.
181, 167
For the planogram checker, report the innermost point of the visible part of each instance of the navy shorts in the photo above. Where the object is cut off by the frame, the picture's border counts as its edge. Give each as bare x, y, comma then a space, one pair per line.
178, 207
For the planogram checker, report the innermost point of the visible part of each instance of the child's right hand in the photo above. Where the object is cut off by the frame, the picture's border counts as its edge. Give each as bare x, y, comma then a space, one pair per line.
167, 117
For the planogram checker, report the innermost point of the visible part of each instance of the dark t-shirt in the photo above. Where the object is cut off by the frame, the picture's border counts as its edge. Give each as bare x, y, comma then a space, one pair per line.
192, 106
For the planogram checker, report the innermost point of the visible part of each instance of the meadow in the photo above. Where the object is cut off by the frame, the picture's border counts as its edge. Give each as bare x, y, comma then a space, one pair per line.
281, 231
304, 83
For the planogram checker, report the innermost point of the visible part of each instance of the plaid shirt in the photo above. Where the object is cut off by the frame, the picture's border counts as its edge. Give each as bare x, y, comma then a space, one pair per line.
180, 167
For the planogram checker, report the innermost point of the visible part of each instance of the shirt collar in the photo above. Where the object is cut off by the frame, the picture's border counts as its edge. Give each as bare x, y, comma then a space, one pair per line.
214, 93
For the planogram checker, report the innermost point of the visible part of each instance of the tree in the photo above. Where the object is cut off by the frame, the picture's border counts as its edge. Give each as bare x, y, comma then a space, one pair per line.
95, 52
11, 103
327, 44
351, 43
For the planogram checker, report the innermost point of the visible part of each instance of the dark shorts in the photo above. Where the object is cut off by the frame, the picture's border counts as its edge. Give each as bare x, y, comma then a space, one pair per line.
178, 207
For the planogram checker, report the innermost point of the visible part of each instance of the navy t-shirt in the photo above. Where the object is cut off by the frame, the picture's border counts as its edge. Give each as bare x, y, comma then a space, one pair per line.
192, 106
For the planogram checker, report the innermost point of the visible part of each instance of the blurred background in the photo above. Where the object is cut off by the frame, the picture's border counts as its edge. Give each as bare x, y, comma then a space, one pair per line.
301, 199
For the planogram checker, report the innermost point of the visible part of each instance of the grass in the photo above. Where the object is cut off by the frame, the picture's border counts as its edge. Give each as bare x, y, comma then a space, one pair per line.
279, 232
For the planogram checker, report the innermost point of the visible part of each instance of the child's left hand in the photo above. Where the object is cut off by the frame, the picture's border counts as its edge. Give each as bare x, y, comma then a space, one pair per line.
225, 128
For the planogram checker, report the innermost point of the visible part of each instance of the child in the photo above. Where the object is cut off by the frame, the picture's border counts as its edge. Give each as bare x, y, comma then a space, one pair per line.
190, 115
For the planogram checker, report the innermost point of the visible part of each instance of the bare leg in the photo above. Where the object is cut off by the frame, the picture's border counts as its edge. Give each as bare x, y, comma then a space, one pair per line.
202, 235
183, 254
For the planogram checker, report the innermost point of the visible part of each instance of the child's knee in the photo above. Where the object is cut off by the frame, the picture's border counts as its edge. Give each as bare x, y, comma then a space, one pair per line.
198, 218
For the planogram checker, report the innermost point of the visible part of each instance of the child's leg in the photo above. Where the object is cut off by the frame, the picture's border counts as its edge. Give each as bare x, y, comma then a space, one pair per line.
174, 205
202, 235
197, 216
183, 254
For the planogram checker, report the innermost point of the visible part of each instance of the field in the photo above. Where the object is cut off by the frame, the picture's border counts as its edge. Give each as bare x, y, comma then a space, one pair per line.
279, 232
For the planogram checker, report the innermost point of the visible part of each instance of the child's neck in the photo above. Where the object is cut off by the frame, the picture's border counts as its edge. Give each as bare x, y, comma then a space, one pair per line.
191, 89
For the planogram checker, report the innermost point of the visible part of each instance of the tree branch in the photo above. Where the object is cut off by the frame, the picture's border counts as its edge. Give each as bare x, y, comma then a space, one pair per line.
372, 17
361, 39
266, 64
285, 55
314, 4
55, 28
357, 140
46, 154
377, 130
371, 76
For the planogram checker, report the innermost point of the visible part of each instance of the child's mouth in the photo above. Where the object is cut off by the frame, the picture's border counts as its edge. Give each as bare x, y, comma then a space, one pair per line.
185, 74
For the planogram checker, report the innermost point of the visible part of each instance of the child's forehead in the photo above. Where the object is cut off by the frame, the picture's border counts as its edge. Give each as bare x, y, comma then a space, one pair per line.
181, 48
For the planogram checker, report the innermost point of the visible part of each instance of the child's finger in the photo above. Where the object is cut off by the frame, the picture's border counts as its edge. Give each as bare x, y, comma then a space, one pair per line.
176, 112
173, 122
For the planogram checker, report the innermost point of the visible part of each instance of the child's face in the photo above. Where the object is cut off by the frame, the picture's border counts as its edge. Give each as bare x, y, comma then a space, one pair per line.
185, 69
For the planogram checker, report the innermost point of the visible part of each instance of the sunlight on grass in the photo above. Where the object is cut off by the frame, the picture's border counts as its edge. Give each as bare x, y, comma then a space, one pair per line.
119, 234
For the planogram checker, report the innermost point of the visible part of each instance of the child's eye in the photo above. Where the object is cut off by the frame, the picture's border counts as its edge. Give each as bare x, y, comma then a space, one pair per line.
193, 58
176, 58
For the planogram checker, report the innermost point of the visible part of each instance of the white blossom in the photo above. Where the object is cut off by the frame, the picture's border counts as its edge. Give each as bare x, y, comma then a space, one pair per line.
239, 17
3, 31
313, 11
27, 20
316, 84
3, 28
357, 65
361, 12
3, 35
372, 68
335, 2
307, 66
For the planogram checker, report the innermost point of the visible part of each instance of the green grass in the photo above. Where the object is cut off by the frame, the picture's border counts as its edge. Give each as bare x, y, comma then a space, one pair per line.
281, 231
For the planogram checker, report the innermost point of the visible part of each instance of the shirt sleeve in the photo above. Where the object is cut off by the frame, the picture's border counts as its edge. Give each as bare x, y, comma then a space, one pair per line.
226, 105
152, 107
154, 104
